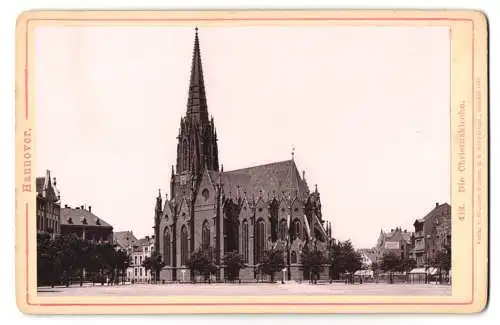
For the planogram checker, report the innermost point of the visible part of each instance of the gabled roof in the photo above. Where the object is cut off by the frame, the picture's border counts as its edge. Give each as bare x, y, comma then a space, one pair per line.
124, 239
46, 188
274, 178
81, 217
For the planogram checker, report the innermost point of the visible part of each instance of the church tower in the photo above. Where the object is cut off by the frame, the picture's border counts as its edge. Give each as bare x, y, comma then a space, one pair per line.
197, 139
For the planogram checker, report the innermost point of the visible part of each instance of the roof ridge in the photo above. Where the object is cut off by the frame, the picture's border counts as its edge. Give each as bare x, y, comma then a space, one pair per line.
262, 165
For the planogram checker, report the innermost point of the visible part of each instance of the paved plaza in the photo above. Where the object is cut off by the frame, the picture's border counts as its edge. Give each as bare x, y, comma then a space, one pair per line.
250, 289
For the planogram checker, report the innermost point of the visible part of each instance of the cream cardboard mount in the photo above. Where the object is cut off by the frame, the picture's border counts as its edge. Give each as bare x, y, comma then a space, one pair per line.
71, 70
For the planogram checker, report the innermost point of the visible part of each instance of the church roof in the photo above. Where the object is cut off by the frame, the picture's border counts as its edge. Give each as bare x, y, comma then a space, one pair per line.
269, 179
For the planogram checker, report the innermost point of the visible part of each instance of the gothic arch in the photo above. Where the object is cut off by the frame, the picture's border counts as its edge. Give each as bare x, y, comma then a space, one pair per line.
260, 242
244, 240
205, 235
282, 230
184, 245
166, 246
297, 228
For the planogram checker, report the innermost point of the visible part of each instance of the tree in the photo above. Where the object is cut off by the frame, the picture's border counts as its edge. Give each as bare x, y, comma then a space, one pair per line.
313, 261
123, 262
201, 262
443, 261
234, 262
407, 264
390, 262
273, 261
154, 263
343, 258
353, 260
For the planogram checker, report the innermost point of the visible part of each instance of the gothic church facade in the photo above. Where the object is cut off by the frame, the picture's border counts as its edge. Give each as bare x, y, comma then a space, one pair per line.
248, 210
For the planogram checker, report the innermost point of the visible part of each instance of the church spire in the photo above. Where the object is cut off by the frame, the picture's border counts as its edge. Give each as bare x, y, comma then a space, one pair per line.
197, 147
197, 101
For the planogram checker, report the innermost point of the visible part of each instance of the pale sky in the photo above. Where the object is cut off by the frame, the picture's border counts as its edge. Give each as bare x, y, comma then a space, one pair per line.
367, 109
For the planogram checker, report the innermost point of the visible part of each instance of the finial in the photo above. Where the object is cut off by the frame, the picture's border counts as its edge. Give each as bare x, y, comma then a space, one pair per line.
293, 152
196, 29
159, 192
316, 187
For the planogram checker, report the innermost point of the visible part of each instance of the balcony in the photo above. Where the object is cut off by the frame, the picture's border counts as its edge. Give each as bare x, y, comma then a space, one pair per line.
419, 234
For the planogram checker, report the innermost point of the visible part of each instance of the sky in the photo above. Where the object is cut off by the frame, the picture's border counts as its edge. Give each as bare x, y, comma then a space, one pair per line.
366, 109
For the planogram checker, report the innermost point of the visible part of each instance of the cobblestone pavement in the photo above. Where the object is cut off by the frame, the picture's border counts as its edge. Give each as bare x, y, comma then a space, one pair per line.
250, 289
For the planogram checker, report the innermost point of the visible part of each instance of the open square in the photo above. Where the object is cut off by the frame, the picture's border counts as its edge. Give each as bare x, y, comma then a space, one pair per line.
251, 289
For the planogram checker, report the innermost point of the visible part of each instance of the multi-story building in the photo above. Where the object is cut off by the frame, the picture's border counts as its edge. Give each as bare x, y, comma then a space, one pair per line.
141, 250
367, 257
48, 205
85, 224
397, 241
247, 210
125, 240
432, 234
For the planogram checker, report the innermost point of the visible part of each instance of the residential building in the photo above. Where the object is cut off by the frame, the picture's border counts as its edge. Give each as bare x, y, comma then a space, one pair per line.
432, 234
125, 240
141, 250
397, 241
367, 257
85, 224
48, 205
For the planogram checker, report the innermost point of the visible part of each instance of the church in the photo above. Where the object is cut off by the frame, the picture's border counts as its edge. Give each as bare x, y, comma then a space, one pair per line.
248, 210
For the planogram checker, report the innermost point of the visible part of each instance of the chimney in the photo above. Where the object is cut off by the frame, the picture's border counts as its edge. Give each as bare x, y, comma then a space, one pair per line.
90, 208
81, 207
66, 206
437, 204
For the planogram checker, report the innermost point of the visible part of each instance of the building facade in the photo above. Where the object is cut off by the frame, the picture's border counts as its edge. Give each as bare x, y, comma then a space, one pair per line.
397, 241
83, 223
432, 234
48, 205
367, 257
141, 250
248, 210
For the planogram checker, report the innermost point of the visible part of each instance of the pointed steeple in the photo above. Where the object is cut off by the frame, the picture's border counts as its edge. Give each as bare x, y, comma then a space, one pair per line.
197, 101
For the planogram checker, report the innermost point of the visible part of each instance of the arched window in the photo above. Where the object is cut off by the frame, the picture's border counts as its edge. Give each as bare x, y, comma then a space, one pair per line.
297, 227
205, 235
166, 246
260, 240
294, 258
184, 245
282, 229
244, 244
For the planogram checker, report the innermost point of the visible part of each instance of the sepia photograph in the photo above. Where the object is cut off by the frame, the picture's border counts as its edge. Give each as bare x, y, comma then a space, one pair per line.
200, 160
